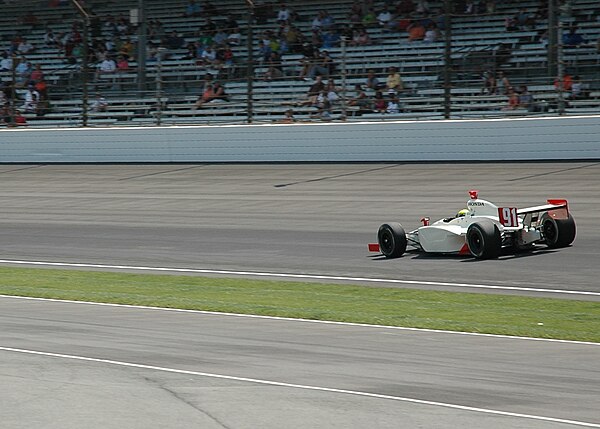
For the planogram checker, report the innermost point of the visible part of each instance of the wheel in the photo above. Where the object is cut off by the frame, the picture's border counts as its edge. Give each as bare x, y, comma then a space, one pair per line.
392, 239
483, 239
558, 232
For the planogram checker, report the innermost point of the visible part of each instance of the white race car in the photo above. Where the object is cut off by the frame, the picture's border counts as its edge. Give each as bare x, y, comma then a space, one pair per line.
483, 230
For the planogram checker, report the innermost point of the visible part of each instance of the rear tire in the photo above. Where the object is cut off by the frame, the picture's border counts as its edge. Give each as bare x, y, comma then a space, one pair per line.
558, 232
392, 240
484, 240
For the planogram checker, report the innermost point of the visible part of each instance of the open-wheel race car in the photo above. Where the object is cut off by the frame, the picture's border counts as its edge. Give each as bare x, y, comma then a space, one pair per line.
483, 230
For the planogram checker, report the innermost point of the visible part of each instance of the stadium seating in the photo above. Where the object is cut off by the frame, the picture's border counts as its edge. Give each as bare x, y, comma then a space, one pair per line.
173, 85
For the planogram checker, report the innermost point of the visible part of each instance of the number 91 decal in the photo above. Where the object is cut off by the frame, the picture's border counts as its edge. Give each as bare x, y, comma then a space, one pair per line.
508, 216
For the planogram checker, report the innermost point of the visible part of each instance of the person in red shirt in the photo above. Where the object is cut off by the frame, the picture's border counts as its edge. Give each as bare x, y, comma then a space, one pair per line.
567, 82
19, 118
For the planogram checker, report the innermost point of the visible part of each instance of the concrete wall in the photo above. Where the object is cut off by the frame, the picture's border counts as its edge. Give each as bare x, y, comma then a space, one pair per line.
477, 140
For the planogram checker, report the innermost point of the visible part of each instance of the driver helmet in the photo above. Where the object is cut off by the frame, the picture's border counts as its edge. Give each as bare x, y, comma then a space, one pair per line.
462, 213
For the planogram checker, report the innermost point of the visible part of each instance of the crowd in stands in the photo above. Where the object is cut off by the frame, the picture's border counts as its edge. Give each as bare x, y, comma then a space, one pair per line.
212, 47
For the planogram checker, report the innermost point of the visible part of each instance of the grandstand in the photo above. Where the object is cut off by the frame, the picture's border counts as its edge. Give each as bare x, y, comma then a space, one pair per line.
480, 42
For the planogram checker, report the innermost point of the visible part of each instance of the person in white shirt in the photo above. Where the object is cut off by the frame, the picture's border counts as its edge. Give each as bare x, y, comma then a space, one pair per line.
25, 47
6, 62
107, 66
392, 105
384, 17
32, 97
99, 104
284, 14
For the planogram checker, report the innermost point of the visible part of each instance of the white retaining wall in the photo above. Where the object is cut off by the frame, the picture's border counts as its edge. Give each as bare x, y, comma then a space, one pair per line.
465, 140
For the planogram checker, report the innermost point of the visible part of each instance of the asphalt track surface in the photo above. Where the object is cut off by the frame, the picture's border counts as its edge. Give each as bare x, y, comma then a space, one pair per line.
314, 219
299, 219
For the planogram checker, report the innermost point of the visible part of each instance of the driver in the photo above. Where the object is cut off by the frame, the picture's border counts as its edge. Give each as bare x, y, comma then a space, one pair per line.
461, 213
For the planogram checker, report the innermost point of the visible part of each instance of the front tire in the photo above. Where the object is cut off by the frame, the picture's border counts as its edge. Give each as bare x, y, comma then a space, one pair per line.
558, 232
392, 240
484, 240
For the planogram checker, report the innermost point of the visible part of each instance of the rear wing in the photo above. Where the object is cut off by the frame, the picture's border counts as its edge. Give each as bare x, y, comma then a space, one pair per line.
509, 216
558, 209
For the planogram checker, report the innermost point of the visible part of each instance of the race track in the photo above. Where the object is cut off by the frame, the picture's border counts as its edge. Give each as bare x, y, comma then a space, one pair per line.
299, 219
71, 365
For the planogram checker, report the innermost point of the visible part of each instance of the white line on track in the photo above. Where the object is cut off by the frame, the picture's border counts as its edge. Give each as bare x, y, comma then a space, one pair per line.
304, 387
290, 319
298, 276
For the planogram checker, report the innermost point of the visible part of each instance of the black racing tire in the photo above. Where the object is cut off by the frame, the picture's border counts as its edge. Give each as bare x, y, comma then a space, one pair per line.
392, 240
484, 240
558, 232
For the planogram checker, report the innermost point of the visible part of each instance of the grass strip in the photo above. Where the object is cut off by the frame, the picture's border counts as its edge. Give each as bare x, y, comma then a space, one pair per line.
468, 312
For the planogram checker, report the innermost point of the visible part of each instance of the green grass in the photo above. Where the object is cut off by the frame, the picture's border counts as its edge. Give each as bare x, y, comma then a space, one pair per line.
469, 312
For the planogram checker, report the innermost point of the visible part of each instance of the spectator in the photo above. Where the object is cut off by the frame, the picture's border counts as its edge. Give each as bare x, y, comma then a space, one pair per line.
283, 16
314, 91
525, 98
19, 119
108, 65
275, 69
234, 38
490, 6
191, 51
370, 18
225, 57
332, 92
122, 64
372, 82
127, 49
513, 100
422, 7
565, 85
416, 31
361, 38
510, 24
25, 47
37, 74
193, 9
360, 99
502, 83
209, 56
288, 117
384, 18
489, 83
6, 115
6, 62
572, 39
392, 105
394, 81
470, 7
577, 88
42, 87
23, 72
99, 104
432, 34
379, 103
330, 39
323, 105
50, 39
174, 41
211, 93
323, 66
524, 20
32, 98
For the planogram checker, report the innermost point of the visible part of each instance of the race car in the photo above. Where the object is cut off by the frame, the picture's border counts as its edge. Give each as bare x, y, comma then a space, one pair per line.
483, 230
